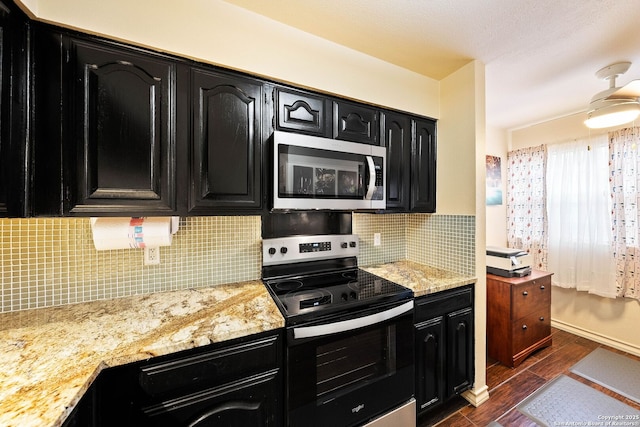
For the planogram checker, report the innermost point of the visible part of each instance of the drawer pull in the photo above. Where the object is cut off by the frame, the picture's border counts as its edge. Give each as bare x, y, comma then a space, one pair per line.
542, 287
525, 293
541, 319
524, 326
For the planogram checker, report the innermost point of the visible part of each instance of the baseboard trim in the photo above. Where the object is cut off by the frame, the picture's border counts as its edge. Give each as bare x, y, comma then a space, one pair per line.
593, 336
477, 396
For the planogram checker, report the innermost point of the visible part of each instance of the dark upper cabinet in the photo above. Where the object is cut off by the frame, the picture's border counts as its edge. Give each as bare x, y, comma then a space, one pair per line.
423, 166
227, 142
303, 112
396, 137
106, 119
123, 130
14, 116
355, 122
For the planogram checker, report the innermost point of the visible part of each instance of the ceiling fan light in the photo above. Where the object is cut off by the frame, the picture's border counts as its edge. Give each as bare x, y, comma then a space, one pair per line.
612, 113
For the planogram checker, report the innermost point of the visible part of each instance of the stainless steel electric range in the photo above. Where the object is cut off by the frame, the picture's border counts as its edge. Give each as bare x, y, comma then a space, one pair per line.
349, 341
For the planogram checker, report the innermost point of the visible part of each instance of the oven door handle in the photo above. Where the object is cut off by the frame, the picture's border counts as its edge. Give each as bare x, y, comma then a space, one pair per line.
371, 188
347, 325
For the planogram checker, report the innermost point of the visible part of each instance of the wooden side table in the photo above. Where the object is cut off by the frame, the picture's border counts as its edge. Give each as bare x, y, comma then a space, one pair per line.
518, 316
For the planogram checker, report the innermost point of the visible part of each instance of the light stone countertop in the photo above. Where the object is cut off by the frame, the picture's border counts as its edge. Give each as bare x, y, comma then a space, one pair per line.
49, 357
421, 279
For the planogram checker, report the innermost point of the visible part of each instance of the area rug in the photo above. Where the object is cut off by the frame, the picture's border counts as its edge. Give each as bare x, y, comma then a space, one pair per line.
565, 401
614, 371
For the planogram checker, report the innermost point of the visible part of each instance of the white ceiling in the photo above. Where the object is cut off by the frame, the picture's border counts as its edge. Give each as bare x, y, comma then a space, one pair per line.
540, 55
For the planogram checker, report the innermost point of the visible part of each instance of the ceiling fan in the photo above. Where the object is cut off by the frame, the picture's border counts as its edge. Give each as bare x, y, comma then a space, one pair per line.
616, 105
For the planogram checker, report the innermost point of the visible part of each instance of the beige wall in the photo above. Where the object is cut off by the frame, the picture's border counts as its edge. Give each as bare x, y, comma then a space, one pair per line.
497, 214
610, 321
220, 33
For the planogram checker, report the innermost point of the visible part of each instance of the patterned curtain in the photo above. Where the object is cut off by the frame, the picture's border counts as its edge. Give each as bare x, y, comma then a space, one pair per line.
526, 216
624, 169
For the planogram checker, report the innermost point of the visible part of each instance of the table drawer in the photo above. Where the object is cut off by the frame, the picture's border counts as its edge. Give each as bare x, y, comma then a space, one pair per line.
530, 329
530, 297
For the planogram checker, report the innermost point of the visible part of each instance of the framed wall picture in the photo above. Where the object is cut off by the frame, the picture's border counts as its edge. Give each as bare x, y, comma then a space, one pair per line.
494, 181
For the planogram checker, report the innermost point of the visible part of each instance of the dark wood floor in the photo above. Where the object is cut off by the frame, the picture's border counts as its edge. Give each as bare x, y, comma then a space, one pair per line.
508, 387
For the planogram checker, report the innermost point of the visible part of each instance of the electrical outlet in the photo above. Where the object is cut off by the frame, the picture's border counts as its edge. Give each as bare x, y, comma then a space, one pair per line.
151, 256
377, 239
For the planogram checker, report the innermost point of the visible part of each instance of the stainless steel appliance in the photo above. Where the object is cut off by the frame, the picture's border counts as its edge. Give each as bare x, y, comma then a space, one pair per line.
320, 173
349, 356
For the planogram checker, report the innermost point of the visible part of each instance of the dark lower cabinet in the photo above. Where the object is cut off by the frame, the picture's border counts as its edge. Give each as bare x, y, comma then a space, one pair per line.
236, 383
444, 346
227, 142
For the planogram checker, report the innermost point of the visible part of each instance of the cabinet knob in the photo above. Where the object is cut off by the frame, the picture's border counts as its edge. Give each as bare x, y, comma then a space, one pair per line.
541, 319
542, 287
525, 293
524, 326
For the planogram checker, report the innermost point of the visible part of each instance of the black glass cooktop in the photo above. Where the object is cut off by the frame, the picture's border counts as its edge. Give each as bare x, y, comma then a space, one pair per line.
326, 292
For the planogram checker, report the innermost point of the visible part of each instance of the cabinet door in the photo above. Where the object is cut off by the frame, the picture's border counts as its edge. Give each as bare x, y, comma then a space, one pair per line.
226, 143
122, 103
13, 112
396, 137
354, 122
430, 358
460, 351
302, 112
423, 166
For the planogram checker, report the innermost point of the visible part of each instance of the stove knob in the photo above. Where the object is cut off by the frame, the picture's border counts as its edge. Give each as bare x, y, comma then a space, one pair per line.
353, 295
352, 244
344, 245
344, 296
272, 251
283, 250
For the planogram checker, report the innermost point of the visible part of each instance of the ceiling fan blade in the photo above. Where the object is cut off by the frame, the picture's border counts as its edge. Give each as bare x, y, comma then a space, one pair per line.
630, 90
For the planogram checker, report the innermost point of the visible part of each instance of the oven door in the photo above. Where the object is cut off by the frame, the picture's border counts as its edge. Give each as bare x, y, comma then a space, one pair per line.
321, 173
347, 371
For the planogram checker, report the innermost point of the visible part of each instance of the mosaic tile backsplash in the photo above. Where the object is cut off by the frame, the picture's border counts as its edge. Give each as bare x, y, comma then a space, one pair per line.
46, 262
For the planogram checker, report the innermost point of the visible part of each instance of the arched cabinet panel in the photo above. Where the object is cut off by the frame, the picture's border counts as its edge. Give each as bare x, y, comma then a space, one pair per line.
123, 130
227, 143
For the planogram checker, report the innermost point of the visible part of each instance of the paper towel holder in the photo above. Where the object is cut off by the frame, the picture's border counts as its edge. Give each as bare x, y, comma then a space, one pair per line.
134, 233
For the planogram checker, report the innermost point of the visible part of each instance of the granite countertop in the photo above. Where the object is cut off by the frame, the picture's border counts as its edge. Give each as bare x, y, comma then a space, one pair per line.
422, 279
50, 356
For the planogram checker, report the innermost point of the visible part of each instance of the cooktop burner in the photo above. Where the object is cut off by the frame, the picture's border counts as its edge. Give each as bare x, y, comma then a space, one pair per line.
332, 291
312, 276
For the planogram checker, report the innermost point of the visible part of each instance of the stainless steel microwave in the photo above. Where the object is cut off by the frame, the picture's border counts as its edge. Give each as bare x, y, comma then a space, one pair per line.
310, 172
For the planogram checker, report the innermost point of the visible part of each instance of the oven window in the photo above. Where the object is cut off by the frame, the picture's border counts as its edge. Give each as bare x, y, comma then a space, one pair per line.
352, 361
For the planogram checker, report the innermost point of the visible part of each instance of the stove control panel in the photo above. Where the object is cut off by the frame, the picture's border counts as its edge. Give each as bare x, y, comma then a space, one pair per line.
286, 250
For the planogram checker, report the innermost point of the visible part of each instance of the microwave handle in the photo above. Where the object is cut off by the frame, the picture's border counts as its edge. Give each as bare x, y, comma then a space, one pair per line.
347, 325
371, 188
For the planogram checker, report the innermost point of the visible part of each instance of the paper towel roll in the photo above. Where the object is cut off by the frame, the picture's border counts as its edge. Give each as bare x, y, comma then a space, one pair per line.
130, 233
